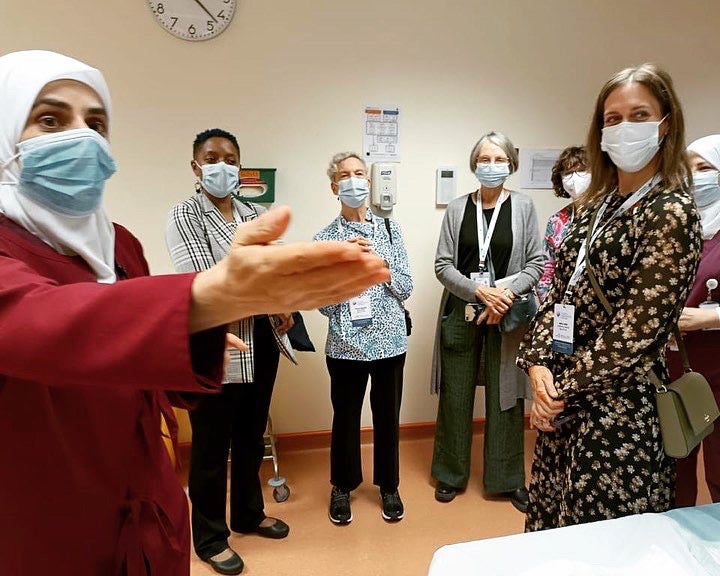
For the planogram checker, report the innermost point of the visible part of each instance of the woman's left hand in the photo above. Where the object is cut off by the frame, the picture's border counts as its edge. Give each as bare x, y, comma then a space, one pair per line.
232, 341
286, 322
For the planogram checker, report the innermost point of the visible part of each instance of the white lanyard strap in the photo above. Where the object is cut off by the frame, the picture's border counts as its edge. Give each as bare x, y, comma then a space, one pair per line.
597, 229
484, 243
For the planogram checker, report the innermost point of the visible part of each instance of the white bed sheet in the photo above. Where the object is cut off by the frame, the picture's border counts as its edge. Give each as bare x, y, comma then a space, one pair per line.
682, 542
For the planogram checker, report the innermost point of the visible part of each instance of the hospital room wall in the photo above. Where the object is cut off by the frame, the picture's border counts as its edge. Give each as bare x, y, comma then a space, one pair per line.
291, 77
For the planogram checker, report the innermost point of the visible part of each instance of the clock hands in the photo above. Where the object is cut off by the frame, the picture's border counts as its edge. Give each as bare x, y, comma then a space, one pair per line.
206, 10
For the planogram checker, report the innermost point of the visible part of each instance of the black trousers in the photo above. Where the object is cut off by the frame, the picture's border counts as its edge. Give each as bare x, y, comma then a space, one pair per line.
233, 420
348, 382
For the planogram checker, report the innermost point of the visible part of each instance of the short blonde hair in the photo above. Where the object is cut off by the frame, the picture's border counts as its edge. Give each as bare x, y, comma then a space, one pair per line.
339, 158
499, 139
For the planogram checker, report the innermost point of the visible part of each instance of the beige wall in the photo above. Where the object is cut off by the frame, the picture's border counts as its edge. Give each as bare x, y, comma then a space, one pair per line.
290, 77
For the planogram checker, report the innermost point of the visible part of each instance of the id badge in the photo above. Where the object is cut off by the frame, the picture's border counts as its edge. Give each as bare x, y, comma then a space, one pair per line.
360, 310
482, 278
563, 328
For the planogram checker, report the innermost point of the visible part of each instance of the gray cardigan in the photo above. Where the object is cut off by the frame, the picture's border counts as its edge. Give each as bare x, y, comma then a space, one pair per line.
526, 258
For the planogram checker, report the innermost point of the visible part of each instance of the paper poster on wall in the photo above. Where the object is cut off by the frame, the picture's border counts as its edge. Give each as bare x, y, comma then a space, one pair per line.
536, 167
381, 134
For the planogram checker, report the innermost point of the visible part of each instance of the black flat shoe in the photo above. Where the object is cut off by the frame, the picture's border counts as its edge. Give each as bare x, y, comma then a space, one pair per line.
520, 499
445, 492
277, 530
233, 565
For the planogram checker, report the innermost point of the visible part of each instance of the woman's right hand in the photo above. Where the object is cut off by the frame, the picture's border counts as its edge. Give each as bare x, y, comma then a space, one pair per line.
495, 299
260, 277
546, 404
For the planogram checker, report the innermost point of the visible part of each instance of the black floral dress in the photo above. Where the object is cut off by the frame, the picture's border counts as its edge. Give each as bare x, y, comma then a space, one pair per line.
608, 461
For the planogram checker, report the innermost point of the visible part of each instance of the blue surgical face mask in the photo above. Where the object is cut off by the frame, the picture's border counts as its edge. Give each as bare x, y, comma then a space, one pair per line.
706, 189
492, 175
66, 171
220, 179
353, 191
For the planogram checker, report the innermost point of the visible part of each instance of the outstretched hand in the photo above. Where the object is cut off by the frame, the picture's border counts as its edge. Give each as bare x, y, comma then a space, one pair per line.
259, 277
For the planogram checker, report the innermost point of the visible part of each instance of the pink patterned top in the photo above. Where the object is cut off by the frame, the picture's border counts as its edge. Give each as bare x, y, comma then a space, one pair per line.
555, 231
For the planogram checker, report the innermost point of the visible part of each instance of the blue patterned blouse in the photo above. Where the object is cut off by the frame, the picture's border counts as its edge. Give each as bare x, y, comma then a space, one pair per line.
385, 336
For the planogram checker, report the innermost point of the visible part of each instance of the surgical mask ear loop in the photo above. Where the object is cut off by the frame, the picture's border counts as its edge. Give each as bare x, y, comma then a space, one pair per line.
661, 139
7, 163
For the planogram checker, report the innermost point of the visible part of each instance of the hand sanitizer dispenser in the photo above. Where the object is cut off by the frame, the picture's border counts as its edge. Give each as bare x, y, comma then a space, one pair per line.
383, 191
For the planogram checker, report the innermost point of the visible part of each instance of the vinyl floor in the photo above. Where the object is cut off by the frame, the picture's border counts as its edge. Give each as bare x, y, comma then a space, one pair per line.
369, 546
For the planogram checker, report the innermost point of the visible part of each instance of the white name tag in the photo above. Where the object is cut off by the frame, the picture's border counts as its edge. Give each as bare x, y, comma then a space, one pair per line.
563, 328
360, 310
482, 278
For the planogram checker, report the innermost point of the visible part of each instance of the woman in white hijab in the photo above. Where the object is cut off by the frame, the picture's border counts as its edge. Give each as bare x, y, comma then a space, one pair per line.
87, 486
700, 319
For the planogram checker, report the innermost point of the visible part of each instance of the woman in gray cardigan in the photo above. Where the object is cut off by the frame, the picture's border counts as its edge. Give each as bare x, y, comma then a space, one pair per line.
476, 342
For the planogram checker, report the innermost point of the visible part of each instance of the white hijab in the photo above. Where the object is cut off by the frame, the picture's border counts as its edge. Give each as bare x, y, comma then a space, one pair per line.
22, 76
709, 148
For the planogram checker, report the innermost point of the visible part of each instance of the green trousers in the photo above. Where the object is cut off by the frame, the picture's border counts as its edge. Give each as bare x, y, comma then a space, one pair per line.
463, 344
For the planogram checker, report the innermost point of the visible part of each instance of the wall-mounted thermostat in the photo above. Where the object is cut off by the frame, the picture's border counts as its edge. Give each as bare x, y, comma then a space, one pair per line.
445, 184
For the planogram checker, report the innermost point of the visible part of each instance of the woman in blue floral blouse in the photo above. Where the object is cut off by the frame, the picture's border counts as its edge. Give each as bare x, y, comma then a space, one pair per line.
366, 337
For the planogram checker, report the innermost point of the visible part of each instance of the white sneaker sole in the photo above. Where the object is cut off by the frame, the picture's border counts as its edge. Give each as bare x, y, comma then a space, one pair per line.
336, 521
390, 518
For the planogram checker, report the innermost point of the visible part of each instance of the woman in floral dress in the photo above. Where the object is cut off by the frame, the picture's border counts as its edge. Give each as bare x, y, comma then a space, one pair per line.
599, 451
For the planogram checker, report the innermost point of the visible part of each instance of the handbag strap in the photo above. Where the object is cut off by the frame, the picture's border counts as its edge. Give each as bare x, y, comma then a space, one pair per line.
608, 308
389, 231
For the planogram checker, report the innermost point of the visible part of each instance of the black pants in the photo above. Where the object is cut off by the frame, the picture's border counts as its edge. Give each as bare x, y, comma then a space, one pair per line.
348, 382
234, 419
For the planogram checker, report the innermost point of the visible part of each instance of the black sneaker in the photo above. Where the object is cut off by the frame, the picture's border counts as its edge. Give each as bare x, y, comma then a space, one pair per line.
340, 512
392, 507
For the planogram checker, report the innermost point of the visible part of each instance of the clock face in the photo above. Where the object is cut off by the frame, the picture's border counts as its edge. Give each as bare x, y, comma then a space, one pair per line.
194, 19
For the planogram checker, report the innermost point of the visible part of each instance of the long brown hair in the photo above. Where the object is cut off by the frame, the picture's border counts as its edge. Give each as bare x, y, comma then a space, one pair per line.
673, 167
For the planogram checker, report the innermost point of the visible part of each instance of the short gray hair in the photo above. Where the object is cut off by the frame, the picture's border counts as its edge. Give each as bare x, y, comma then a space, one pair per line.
338, 159
499, 139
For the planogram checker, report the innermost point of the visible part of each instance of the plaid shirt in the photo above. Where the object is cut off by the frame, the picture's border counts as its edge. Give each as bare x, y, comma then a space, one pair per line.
198, 236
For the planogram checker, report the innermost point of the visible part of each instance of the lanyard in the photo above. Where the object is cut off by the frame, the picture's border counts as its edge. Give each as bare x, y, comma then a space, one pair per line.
341, 228
484, 243
594, 229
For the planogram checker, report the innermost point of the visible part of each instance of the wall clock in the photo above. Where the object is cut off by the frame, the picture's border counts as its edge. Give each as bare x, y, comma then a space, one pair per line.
194, 19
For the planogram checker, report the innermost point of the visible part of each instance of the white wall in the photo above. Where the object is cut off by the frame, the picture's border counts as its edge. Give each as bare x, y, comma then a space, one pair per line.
290, 78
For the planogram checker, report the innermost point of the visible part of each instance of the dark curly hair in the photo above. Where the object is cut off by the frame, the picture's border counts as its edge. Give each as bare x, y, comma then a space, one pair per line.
572, 159
204, 136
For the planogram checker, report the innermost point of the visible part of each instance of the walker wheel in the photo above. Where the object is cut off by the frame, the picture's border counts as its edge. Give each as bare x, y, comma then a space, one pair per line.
281, 493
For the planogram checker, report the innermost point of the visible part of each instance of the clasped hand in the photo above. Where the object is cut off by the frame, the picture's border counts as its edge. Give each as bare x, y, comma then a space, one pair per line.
545, 405
497, 303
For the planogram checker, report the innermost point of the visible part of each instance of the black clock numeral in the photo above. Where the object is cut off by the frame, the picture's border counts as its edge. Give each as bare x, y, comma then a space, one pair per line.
160, 9
221, 14
210, 26
191, 30
174, 21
